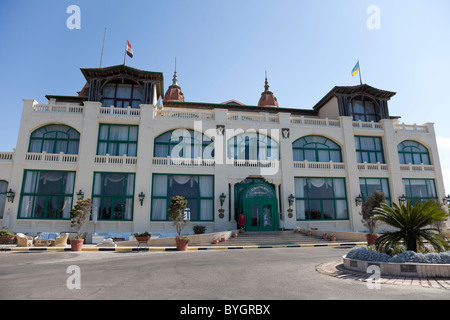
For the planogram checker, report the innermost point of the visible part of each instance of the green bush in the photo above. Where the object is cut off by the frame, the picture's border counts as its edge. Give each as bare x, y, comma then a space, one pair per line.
6, 233
198, 229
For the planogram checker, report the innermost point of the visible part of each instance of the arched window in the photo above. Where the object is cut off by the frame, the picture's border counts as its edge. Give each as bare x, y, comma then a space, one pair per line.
122, 95
184, 143
55, 138
413, 152
364, 110
252, 146
316, 149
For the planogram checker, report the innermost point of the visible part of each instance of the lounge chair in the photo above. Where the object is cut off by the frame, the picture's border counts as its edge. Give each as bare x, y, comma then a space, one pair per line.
61, 241
45, 239
23, 240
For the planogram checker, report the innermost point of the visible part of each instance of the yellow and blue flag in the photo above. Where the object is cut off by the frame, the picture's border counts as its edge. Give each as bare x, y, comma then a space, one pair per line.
355, 69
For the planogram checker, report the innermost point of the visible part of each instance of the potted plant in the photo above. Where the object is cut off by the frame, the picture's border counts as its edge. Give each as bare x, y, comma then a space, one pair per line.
199, 229
333, 237
325, 236
309, 233
79, 215
368, 214
234, 234
176, 215
143, 236
297, 230
215, 241
6, 236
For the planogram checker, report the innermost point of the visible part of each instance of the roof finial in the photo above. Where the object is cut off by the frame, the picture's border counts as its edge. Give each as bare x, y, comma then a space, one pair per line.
266, 85
175, 79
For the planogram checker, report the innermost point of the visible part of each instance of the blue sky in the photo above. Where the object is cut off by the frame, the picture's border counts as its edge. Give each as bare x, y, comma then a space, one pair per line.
223, 49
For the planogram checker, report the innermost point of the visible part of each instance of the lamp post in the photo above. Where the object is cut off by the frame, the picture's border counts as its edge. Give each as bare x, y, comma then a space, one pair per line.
291, 200
446, 200
141, 197
222, 198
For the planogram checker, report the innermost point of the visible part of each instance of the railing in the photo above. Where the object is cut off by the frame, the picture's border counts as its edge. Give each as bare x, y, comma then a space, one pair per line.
315, 122
367, 125
373, 166
6, 156
197, 162
410, 127
416, 167
65, 108
51, 157
252, 117
185, 114
257, 163
319, 165
115, 160
126, 112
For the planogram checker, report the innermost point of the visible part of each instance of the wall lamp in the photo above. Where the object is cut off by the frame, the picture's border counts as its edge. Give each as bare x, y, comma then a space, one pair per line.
446, 200
291, 200
359, 200
141, 197
10, 195
402, 199
80, 195
222, 198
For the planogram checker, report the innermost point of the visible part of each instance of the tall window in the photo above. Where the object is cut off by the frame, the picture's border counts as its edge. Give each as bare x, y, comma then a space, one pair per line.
122, 95
369, 149
364, 110
413, 152
317, 149
113, 195
197, 190
321, 199
184, 143
46, 194
369, 185
117, 140
55, 138
419, 190
252, 146
3, 190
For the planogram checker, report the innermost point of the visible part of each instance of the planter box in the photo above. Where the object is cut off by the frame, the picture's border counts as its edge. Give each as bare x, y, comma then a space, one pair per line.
426, 270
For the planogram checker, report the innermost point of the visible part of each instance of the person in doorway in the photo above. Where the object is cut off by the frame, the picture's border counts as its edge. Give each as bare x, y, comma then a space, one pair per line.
241, 221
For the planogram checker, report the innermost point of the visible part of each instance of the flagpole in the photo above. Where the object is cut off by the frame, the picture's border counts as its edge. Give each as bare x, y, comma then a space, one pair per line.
360, 79
103, 46
125, 57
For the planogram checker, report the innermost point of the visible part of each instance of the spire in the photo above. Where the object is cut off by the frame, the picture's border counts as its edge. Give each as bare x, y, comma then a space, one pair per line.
175, 78
174, 92
267, 99
266, 85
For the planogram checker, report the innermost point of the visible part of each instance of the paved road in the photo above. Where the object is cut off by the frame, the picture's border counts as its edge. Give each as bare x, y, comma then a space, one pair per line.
250, 274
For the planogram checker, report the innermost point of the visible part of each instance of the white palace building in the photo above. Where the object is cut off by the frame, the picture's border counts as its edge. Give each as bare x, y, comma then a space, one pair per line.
280, 167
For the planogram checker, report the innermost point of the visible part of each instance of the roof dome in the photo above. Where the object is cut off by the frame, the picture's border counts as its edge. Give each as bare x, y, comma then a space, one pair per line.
174, 92
267, 99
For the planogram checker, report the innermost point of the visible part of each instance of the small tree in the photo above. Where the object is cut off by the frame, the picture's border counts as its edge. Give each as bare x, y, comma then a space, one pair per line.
79, 214
367, 212
176, 213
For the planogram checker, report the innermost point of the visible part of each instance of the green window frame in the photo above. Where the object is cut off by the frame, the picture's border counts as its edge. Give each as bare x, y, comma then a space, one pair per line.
3, 191
368, 185
413, 152
321, 198
46, 195
178, 143
253, 146
200, 195
117, 140
54, 138
419, 190
122, 95
364, 110
369, 149
114, 203
316, 149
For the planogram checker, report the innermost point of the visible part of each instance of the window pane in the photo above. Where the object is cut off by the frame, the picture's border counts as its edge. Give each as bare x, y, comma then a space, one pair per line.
300, 208
185, 186
315, 210
328, 209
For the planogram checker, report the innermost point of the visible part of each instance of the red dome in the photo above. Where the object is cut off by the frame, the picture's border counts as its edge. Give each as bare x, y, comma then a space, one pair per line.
267, 99
174, 92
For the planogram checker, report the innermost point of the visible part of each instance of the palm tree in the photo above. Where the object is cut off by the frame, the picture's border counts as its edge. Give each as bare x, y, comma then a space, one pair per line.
414, 224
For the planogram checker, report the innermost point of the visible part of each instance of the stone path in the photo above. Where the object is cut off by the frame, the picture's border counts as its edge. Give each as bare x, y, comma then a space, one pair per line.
336, 269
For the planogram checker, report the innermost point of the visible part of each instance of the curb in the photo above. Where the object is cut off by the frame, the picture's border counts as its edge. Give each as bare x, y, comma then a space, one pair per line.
150, 249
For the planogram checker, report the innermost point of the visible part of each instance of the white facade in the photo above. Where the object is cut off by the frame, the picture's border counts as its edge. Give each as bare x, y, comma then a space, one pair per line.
87, 117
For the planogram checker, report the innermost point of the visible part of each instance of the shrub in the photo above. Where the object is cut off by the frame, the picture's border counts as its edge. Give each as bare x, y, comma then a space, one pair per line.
367, 212
6, 233
79, 214
176, 213
198, 229
143, 234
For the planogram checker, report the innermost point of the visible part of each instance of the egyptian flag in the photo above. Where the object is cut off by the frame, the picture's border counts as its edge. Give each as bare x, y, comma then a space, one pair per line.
129, 49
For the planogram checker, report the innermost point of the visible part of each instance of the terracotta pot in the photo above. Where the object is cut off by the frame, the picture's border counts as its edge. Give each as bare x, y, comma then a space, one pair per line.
6, 239
223, 239
298, 230
182, 244
234, 235
309, 233
324, 236
76, 244
215, 241
241, 231
371, 238
142, 239
333, 238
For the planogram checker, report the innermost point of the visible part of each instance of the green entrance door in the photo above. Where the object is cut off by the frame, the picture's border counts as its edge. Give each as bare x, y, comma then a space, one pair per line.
260, 208
260, 216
